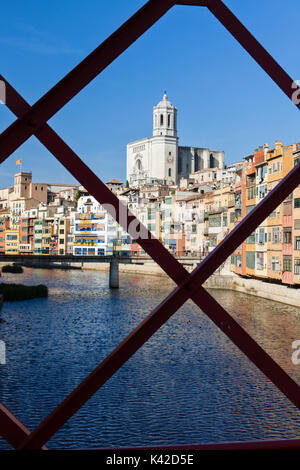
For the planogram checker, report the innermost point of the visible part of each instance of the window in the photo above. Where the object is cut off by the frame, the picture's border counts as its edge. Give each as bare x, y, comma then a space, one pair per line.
297, 224
275, 235
251, 192
287, 235
250, 259
169, 120
287, 208
297, 266
262, 191
249, 209
275, 264
214, 221
297, 202
62, 231
251, 239
260, 258
297, 243
170, 172
261, 236
161, 120
12, 237
61, 241
238, 261
287, 263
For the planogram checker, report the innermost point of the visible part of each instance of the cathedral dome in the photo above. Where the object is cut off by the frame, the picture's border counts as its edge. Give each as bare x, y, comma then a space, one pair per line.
164, 103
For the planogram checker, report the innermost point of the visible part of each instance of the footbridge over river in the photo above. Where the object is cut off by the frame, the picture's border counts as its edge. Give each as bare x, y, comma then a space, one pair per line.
80, 262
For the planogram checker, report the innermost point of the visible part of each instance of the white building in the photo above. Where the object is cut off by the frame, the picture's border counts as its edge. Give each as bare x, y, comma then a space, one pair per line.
95, 230
159, 159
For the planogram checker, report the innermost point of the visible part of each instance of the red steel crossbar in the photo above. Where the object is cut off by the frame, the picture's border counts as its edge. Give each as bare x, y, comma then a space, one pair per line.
34, 118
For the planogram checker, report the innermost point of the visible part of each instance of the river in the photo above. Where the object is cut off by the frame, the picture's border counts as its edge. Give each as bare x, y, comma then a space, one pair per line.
187, 384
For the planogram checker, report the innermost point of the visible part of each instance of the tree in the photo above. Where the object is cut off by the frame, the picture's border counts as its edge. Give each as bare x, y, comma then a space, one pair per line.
77, 196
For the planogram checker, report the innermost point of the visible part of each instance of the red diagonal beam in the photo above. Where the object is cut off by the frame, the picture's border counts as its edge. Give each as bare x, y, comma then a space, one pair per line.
13, 431
169, 264
18, 132
252, 46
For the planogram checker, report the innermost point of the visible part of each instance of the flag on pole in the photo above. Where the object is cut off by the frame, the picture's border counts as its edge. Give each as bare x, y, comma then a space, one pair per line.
18, 162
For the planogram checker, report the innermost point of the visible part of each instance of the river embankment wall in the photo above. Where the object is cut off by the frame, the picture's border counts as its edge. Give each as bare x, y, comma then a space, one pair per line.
225, 281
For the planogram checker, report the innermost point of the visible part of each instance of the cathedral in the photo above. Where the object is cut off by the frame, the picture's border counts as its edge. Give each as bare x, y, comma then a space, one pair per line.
159, 158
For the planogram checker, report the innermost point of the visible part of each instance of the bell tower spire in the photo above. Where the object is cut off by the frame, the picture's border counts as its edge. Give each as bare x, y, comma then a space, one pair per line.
165, 118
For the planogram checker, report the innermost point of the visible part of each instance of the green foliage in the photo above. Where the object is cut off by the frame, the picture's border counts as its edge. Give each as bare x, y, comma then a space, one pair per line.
127, 184
12, 268
77, 196
21, 292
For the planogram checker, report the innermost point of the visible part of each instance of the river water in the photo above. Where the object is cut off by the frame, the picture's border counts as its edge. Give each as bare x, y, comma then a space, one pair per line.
187, 384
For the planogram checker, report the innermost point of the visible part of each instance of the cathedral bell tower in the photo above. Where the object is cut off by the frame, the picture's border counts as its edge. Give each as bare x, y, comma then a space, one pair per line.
165, 118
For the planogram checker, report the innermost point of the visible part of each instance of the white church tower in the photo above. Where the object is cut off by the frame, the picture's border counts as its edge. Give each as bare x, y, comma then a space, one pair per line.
159, 158
165, 118
154, 159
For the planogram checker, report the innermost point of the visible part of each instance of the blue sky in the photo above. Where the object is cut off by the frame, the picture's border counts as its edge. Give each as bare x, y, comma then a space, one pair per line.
224, 100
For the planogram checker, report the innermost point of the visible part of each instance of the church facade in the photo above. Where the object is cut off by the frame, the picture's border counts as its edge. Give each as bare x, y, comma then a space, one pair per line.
159, 158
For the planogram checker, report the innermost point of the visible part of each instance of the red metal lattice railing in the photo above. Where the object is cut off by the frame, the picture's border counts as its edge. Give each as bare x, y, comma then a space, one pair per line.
32, 121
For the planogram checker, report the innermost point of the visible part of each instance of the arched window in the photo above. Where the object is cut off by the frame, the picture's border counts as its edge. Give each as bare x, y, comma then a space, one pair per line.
161, 119
169, 120
170, 172
139, 165
211, 161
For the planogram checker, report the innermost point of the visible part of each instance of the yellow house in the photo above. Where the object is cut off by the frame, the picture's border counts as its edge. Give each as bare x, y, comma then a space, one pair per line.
12, 240
275, 173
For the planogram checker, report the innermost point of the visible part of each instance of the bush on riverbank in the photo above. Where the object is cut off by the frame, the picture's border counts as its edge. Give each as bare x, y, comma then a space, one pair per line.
21, 292
12, 268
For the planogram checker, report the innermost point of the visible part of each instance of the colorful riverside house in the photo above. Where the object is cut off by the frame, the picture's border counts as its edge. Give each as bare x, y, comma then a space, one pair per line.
47, 232
53, 245
95, 231
27, 228
63, 230
238, 212
274, 245
218, 215
296, 222
4, 225
250, 202
38, 237
25, 243
167, 221
261, 233
12, 240
287, 222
